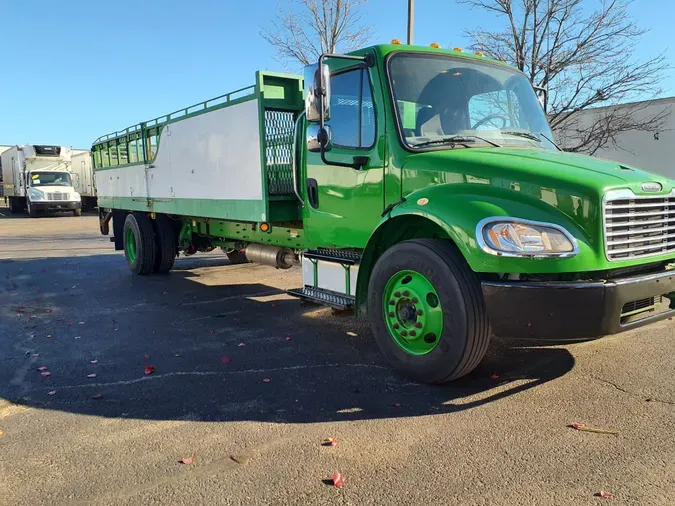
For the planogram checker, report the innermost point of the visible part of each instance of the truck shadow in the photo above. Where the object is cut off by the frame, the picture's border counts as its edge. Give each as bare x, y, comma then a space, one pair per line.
223, 348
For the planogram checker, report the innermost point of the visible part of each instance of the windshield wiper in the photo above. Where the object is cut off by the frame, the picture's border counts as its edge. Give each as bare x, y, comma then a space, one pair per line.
526, 135
463, 140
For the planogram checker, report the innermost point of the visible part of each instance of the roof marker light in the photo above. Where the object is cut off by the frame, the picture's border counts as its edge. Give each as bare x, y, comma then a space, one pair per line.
435, 45
479, 53
396, 41
458, 49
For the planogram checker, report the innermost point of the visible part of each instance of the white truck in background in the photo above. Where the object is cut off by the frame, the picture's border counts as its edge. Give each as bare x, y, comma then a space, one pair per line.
83, 177
38, 178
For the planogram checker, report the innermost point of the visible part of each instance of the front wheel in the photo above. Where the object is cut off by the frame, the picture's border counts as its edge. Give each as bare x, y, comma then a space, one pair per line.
427, 311
77, 212
32, 212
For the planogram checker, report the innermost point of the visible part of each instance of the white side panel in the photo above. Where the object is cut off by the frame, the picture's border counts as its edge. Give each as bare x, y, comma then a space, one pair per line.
122, 182
82, 173
211, 156
331, 276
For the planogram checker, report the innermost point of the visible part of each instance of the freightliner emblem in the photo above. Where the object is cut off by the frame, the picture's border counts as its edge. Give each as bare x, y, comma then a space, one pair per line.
652, 187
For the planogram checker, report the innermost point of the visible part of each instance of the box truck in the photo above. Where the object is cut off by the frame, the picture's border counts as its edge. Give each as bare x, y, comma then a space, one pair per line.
38, 178
417, 186
82, 173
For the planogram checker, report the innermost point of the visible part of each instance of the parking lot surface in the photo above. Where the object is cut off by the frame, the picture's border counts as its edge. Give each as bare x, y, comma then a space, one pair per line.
247, 382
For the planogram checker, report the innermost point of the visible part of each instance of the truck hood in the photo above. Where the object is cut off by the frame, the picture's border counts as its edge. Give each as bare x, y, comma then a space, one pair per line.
552, 169
57, 189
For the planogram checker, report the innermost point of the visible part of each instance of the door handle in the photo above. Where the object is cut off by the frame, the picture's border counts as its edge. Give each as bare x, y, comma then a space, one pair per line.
313, 192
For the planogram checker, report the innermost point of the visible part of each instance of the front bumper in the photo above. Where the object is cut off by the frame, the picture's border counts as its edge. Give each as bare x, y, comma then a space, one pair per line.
56, 206
572, 310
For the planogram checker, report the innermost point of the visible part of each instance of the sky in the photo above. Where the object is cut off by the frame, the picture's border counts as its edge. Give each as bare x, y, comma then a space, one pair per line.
76, 69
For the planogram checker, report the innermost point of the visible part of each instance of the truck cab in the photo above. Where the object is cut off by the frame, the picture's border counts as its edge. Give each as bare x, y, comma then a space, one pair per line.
420, 187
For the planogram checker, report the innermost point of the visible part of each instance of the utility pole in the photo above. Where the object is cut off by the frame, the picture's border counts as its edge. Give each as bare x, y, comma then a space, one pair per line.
411, 21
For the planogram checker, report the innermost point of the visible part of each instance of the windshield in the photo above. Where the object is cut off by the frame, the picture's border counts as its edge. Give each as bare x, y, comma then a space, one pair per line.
50, 179
441, 99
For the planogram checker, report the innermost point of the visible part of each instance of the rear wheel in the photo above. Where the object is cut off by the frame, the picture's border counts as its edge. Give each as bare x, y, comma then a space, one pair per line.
139, 243
427, 311
166, 244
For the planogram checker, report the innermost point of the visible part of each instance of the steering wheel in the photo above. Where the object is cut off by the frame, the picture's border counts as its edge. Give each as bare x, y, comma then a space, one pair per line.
504, 119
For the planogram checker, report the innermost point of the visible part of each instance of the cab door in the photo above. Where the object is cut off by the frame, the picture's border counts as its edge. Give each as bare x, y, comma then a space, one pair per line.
344, 204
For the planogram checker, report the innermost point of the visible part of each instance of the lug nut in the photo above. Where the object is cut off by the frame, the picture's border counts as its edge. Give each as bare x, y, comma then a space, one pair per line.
404, 333
418, 325
396, 326
415, 300
397, 294
392, 302
413, 333
420, 312
406, 293
391, 314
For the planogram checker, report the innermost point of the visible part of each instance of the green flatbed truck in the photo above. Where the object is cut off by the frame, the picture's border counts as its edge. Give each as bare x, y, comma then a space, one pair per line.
418, 186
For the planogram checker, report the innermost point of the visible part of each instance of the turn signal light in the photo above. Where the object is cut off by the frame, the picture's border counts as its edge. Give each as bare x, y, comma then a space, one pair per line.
264, 227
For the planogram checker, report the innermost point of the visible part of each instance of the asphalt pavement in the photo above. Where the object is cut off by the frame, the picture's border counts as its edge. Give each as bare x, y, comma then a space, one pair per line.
245, 383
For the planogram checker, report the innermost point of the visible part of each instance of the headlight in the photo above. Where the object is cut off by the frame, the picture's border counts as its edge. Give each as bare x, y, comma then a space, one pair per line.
522, 238
76, 197
36, 194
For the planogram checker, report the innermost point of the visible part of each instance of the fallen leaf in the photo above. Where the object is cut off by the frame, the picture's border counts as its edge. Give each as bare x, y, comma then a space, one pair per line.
45, 373
596, 430
93, 361
495, 376
49, 336
177, 355
97, 396
352, 334
604, 494
212, 331
81, 323
147, 356
288, 339
36, 355
187, 460
21, 310
329, 442
266, 380
149, 370
70, 324
53, 392
78, 337
241, 345
74, 286
225, 360
42, 368
397, 404
32, 317
164, 292
338, 480
92, 375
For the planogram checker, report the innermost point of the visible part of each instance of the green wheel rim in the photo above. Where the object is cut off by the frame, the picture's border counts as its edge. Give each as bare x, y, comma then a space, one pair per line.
413, 312
130, 245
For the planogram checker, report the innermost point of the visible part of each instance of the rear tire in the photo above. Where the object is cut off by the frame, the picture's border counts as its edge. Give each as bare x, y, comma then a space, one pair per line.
139, 243
427, 311
237, 257
166, 244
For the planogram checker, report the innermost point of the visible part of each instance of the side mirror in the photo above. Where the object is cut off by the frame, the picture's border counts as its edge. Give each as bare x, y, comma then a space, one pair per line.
318, 137
314, 91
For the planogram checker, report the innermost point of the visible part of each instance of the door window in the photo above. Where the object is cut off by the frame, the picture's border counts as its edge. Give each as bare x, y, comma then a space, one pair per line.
352, 113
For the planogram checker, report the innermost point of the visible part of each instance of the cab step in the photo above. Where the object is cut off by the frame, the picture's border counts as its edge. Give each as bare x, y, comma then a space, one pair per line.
324, 297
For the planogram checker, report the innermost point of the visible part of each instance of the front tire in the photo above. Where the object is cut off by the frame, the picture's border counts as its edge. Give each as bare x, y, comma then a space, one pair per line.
427, 311
32, 212
77, 212
139, 243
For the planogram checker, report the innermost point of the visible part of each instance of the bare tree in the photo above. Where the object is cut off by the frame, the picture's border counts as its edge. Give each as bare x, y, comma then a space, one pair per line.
586, 58
305, 29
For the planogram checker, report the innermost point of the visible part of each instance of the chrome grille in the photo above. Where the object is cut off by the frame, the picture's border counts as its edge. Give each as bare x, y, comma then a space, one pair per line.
57, 196
638, 226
